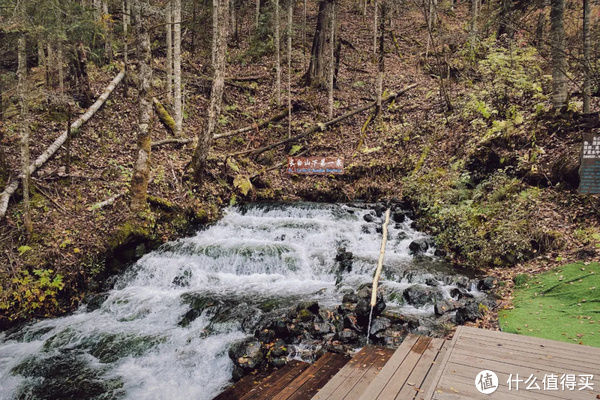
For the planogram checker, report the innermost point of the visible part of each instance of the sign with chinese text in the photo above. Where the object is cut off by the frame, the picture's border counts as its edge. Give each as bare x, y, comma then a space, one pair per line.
315, 165
589, 172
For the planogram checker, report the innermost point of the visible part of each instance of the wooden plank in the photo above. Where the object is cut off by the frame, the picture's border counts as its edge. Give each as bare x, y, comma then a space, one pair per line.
276, 382
439, 371
401, 375
381, 380
376, 366
313, 378
424, 365
343, 375
590, 352
568, 351
469, 372
250, 383
435, 366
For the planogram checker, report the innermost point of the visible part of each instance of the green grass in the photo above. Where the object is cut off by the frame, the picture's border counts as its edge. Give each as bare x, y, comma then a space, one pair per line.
562, 304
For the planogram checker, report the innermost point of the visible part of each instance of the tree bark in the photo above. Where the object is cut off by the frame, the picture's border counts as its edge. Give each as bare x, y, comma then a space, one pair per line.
316, 75
59, 65
289, 56
141, 172
177, 66
22, 89
215, 29
169, 40
559, 62
108, 38
277, 53
375, 25
381, 60
331, 60
126, 7
587, 47
216, 97
474, 19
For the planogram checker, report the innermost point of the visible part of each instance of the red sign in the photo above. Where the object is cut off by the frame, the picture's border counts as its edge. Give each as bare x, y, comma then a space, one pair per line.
315, 165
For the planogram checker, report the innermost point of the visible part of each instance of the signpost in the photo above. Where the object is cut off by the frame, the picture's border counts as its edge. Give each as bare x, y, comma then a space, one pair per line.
315, 165
589, 172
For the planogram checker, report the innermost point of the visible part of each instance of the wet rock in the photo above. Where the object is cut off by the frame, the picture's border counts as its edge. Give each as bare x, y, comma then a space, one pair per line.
350, 298
347, 336
322, 328
379, 210
265, 335
401, 235
279, 349
351, 322
369, 217
486, 283
463, 282
278, 362
431, 281
344, 259
307, 311
398, 217
458, 293
468, 312
380, 324
444, 306
247, 354
363, 306
95, 301
419, 296
418, 246
365, 229
183, 279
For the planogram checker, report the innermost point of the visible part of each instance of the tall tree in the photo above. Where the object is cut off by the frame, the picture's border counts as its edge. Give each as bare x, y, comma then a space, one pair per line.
126, 8
141, 171
331, 77
375, 25
177, 66
22, 91
474, 19
216, 95
289, 60
277, 39
587, 47
559, 61
107, 19
381, 58
169, 40
316, 75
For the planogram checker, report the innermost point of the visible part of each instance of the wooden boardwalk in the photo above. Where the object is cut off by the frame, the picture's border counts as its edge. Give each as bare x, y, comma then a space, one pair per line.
425, 368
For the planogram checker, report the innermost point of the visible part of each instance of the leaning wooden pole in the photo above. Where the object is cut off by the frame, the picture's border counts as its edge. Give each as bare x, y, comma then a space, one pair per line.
53, 148
380, 262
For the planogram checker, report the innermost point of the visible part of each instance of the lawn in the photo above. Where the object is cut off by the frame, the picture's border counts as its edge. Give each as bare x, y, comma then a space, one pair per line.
562, 304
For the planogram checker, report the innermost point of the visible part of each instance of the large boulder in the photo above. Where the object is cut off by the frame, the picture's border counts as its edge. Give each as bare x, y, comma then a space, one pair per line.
418, 246
363, 306
468, 312
419, 296
247, 354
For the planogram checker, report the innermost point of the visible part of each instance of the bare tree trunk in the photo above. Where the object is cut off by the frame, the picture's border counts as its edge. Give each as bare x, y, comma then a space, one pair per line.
375, 25
289, 56
108, 39
215, 32
316, 75
126, 7
234, 24
304, 44
331, 60
50, 61
216, 96
177, 66
22, 89
559, 62
257, 22
381, 64
59, 65
474, 20
277, 53
141, 172
41, 54
587, 47
169, 40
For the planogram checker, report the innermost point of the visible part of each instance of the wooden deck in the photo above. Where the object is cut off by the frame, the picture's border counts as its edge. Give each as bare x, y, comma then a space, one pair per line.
352, 380
425, 368
473, 350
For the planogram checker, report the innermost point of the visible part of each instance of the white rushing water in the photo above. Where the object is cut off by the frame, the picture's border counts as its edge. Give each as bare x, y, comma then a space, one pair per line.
134, 347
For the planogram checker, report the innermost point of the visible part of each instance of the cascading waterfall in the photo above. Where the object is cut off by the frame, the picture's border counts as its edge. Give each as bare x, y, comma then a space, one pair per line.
164, 330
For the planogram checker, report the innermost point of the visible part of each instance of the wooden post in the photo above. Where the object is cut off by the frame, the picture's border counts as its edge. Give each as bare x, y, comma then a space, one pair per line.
380, 262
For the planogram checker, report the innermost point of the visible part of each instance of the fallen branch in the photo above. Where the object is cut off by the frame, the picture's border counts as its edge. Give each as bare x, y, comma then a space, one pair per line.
106, 202
174, 140
164, 116
324, 125
53, 148
261, 124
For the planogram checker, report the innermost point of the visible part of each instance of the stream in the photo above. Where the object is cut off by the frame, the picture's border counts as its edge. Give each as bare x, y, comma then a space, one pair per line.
165, 329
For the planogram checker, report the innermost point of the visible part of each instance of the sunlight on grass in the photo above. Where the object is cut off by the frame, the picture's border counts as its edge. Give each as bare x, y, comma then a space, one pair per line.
562, 304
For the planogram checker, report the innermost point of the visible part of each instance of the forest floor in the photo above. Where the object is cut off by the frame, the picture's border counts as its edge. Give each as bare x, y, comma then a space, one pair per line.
419, 152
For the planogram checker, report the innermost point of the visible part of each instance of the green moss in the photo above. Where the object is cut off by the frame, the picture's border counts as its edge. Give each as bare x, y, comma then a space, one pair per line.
305, 315
131, 229
562, 304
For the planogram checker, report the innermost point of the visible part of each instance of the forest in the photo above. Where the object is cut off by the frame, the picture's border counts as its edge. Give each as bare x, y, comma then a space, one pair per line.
146, 154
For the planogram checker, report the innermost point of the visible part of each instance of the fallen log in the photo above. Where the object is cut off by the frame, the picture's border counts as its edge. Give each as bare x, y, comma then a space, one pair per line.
174, 140
261, 124
164, 116
322, 126
12, 187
